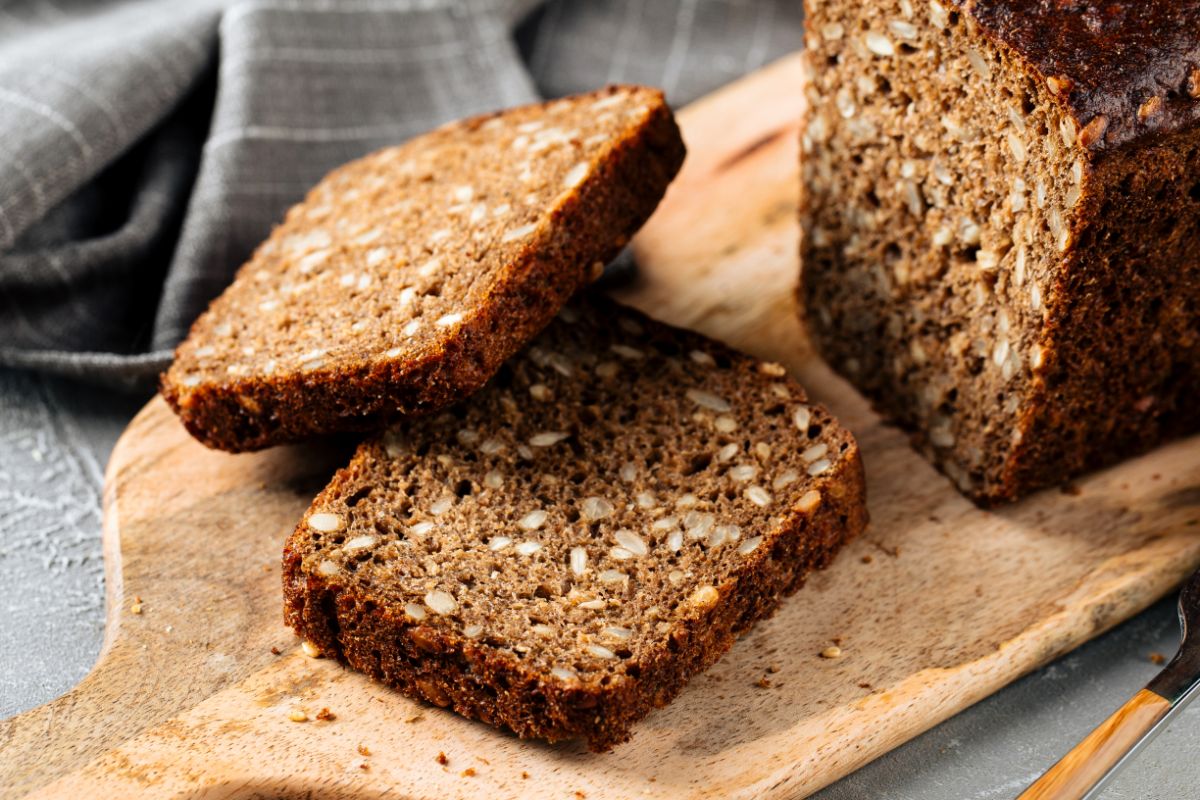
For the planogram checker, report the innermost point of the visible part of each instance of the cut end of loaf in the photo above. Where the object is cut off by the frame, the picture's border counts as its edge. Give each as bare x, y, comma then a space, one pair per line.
404, 279
974, 256
562, 552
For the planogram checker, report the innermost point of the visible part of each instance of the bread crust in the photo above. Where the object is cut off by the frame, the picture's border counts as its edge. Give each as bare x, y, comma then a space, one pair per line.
1127, 70
587, 229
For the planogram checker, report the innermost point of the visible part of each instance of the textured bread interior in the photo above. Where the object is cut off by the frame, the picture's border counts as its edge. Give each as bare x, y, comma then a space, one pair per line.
451, 250
614, 482
972, 267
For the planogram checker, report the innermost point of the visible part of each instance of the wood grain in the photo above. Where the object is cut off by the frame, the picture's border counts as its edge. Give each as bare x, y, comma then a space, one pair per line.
1090, 760
936, 606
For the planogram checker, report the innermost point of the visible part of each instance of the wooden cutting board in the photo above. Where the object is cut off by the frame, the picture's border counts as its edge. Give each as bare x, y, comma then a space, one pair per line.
936, 606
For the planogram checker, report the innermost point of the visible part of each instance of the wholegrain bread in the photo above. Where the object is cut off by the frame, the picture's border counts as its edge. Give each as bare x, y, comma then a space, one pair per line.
1001, 214
404, 279
559, 554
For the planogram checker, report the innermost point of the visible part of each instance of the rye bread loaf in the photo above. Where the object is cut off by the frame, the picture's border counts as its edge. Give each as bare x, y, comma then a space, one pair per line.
1001, 215
560, 553
404, 279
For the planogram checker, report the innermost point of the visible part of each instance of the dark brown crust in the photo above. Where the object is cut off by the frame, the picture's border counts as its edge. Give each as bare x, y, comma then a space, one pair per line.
1107, 60
486, 684
591, 226
1108, 391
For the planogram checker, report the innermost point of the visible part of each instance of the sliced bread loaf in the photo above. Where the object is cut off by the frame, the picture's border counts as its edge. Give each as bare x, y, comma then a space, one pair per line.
562, 552
405, 279
1001, 214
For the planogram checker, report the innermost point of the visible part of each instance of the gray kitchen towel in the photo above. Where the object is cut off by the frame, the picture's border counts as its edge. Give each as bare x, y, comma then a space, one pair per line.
147, 146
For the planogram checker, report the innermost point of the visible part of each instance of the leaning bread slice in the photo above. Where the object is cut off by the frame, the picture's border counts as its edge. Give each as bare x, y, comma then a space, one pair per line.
405, 279
562, 552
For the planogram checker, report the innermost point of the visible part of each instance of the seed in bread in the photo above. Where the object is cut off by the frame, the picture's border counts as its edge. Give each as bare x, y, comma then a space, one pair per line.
404, 279
1001, 215
559, 566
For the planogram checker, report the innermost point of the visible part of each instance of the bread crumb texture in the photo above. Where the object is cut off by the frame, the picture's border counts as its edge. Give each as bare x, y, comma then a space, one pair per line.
560, 553
404, 279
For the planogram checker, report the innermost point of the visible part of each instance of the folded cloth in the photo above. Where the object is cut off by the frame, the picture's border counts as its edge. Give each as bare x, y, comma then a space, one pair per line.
146, 147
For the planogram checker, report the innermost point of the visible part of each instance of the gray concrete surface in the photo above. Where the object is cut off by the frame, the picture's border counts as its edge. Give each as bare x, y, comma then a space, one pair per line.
55, 438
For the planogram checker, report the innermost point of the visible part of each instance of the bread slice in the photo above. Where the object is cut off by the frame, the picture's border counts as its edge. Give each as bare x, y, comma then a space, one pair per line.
406, 278
562, 552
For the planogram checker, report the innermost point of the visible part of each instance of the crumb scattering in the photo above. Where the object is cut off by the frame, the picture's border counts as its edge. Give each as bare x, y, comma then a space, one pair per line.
297, 715
441, 759
325, 715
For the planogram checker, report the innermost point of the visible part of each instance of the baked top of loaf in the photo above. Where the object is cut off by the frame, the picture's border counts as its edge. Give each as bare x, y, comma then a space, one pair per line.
559, 553
1124, 68
404, 279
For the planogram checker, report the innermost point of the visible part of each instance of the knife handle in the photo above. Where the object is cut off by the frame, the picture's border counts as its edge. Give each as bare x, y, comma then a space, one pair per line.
1081, 769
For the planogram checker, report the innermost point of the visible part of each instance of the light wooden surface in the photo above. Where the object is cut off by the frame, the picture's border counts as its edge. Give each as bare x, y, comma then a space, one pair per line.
1090, 760
936, 606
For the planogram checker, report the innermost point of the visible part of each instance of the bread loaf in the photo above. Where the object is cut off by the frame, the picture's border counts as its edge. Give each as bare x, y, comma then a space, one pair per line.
1001, 226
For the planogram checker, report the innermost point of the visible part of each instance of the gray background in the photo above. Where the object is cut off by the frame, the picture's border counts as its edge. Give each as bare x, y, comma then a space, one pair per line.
56, 435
